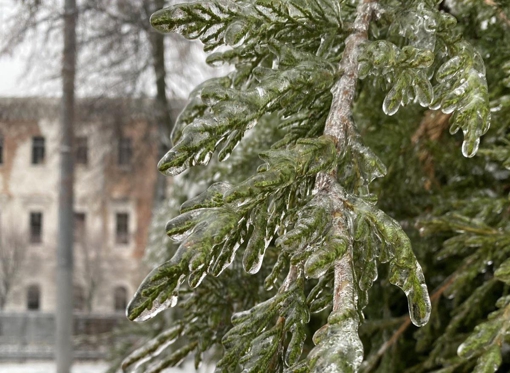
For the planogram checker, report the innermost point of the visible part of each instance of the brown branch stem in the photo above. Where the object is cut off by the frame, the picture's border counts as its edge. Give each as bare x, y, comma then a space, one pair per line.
294, 273
338, 126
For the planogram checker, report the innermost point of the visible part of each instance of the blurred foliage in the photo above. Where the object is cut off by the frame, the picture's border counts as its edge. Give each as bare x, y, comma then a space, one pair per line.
257, 244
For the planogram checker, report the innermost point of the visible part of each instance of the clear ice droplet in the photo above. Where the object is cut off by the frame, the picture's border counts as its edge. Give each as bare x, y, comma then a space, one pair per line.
470, 147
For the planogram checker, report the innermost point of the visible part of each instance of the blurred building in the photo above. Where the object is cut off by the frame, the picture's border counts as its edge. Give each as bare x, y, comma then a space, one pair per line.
115, 174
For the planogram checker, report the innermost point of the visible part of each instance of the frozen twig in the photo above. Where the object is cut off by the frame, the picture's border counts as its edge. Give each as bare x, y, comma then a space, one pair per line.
293, 274
339, 126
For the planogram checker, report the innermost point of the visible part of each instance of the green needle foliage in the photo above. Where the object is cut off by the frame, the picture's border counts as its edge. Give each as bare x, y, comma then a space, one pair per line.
346, 103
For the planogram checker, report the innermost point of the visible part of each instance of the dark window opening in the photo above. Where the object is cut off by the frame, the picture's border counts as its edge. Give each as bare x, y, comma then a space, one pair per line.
82, 150
79, 226
125, 151
36, 224
122, 228
33, 297
38, 150
120, 298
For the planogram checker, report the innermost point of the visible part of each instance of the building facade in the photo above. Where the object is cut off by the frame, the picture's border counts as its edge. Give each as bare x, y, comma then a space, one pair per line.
115, 152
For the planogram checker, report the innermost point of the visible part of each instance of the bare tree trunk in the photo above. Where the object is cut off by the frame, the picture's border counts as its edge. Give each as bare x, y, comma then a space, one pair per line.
162, 110
64, 311
13, 252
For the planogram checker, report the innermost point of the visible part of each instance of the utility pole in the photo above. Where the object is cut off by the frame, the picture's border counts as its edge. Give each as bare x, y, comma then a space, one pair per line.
64, 310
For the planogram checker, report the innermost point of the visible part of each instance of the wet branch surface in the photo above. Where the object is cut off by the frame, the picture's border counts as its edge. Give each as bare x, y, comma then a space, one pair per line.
339, 126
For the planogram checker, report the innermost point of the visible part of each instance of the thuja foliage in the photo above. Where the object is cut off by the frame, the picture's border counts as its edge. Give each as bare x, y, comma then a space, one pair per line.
346, 103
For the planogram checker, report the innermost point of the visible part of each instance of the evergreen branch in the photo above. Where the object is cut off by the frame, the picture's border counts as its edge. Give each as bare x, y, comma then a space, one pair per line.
338, 123
343, 321
434, 297
340, 116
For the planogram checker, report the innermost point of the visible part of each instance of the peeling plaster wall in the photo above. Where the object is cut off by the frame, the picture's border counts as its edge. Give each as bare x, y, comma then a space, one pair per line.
102, 188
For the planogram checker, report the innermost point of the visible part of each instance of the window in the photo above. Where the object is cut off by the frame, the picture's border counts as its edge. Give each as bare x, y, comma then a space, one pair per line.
82, 150
1, 150
33, 298
79, 226
120, 298
121, 230
38, 150
36, 223
125, 151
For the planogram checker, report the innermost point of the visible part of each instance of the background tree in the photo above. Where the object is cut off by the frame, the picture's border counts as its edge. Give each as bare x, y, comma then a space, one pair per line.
90, 268
13, 251
414, 54
288, 56
120, 55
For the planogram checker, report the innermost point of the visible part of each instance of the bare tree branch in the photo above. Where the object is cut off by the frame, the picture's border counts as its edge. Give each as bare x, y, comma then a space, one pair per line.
13, 252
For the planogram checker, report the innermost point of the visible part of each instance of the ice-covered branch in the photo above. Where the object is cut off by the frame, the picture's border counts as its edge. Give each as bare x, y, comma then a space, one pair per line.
338, 347
339, 124
340, 116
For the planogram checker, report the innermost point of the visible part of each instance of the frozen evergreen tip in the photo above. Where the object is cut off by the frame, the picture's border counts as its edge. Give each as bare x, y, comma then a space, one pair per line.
295, 245
450, 77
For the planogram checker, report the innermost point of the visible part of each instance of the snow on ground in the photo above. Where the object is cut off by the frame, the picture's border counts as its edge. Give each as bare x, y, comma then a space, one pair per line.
49, 367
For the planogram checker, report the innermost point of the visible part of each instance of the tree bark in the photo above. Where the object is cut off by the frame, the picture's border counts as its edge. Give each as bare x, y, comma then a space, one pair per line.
64, 310
161, 109
340, 126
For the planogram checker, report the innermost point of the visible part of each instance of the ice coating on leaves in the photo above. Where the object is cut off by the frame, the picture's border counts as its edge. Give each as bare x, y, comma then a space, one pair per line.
318, 263
283, 167
289, 81
418, 25
461, 84
321, 296
462, 90
177, 159
157, 292
338, 346
229, 112
312, 222
213, 228
486, 340
212, 197
404, 70
405, 271
481, 338
235, 33
263, 349
412, 282
151, 349
173, 359
365, 162
503, 272
489, 361
258, 243
180, 227
339, 351
254, 340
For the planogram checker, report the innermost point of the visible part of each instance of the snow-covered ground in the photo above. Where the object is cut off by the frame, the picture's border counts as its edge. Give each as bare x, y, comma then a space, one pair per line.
49, 367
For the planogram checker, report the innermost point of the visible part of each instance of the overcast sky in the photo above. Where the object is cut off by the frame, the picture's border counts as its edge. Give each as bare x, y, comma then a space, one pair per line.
11, 78
34, 69
10, 68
